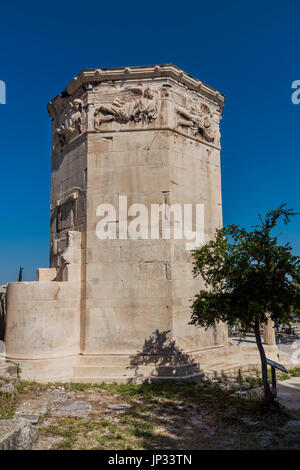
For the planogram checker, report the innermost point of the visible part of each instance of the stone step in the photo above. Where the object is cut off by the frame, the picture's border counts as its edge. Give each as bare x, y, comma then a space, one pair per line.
127, 360
135, 379
105, 360
231, 370
105, 371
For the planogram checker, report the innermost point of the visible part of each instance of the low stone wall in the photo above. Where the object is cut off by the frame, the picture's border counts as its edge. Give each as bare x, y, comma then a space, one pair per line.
43, 317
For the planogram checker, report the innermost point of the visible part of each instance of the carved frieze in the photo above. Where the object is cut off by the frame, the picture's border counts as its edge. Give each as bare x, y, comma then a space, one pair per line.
124, 105
113, 106
197, 120
69, 122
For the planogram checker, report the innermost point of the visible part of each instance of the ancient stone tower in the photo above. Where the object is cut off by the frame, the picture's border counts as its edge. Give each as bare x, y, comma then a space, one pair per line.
117, 308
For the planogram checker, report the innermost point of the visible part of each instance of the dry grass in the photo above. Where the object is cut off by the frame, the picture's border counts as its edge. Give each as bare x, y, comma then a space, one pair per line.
163, 416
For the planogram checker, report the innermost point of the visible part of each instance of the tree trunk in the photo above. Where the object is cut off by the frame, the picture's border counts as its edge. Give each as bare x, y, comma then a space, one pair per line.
264, 371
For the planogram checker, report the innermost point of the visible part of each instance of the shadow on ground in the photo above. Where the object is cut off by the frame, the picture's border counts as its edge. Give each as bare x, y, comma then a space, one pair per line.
166, 359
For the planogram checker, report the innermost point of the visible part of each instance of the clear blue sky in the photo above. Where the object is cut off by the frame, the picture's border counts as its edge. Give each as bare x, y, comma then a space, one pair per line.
247, 50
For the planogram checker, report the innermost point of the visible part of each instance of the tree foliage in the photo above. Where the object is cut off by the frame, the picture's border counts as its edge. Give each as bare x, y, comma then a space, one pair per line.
248, 275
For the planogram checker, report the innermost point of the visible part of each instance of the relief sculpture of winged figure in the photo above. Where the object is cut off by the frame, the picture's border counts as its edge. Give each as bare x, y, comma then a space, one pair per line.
131, 104
72, 122
197, 120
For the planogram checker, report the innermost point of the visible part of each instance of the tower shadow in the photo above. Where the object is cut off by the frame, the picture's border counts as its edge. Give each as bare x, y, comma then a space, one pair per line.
161, 359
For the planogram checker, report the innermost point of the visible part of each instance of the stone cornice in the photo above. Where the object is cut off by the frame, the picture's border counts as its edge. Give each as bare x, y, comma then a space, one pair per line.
144, 72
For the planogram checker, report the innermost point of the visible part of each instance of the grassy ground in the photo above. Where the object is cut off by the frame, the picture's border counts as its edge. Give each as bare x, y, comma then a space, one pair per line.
284, 376
8, 402
163, 416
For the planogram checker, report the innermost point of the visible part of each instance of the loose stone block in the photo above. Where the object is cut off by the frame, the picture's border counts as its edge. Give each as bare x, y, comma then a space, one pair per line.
17, 434
76, 409
32, 418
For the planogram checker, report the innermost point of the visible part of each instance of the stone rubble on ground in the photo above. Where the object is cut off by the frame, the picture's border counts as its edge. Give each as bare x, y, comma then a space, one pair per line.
73, 409
119, 407
47, 401
7, 388
17, 434
32, 418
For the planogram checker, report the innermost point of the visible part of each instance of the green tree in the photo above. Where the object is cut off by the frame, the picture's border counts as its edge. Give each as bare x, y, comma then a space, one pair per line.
249, 277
